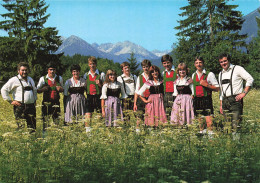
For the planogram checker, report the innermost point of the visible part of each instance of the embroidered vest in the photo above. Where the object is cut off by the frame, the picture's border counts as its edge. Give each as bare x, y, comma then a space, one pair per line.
168, 81
199, 90
92, 87
142, 81
51, 94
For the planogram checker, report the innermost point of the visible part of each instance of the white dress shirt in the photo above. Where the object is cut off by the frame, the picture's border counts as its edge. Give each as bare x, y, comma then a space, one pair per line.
102, 75
113, 85
239, 75
146, 86
180, 82
71, 83
129, 87
169, 72
14, 86
138, 81
42, 81
211, 79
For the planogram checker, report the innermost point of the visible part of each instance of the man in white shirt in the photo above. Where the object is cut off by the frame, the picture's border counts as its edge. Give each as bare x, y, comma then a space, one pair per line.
129, 82
24, 95
231, 88
94, 80
169, 76
204, 82
50, 85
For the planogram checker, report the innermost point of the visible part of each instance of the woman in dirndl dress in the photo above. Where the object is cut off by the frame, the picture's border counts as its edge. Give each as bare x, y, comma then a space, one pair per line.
182, 109
110, 101
74, 99
154, 109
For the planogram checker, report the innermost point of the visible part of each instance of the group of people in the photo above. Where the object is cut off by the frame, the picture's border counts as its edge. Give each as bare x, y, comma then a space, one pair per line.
161, 97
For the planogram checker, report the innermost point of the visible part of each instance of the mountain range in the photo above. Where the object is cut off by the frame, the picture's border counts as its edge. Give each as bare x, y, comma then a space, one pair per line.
119, 52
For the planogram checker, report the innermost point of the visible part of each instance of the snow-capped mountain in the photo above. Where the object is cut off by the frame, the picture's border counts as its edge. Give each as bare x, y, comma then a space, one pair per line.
119, 52
159, 53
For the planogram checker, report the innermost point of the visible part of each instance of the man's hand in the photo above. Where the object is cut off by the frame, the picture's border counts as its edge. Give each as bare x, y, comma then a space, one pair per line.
15, 103
59, 88
204, 83
240, 96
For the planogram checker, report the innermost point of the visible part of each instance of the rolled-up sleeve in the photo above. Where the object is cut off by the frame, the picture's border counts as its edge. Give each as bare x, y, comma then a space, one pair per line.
6, 89
246, 76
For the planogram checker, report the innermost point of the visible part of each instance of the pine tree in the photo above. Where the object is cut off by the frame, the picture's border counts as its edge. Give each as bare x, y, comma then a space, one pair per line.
25, 21
133, 64
254, 56
210, 27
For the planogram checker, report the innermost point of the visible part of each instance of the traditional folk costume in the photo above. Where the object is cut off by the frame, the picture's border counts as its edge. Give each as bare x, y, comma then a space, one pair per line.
142, 78
231, 84
129, 89
113, 107
93, 91
24, 92
75, 99
51, 98
182, 109
202, 95
155, 110
168, 81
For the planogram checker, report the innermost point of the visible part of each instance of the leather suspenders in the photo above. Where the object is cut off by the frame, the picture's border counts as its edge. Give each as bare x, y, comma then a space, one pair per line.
225, 81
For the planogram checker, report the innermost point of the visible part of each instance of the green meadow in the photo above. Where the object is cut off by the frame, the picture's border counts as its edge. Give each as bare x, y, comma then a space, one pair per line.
166, 154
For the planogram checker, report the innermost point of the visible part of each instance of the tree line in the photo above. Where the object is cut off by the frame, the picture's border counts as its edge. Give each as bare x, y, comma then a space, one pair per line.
207, 28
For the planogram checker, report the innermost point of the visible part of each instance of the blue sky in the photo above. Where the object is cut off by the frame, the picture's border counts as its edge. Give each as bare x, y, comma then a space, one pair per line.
148, 23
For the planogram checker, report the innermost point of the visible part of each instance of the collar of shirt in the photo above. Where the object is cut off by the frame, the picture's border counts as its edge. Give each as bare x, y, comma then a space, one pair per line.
124, 76
74, 84
230, 67
146, 77
203, 72
47, 76
96, 72
172, 69
20, 78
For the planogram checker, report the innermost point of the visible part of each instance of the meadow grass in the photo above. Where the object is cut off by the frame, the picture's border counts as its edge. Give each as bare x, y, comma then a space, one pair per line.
166, 154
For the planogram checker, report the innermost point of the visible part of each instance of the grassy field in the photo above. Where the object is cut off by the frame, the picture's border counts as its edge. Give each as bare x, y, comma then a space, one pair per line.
167, 154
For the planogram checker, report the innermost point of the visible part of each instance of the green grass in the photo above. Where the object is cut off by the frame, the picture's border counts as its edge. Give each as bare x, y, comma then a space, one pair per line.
168, 154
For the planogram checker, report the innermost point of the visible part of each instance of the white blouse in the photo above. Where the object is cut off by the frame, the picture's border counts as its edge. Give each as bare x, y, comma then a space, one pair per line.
113, 85
180, 82
71, 83
146, 86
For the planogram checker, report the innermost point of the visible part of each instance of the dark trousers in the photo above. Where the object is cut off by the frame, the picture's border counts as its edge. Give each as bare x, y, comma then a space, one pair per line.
51, 108
27, 112
93, 103
203, 106
232, 109
128, 103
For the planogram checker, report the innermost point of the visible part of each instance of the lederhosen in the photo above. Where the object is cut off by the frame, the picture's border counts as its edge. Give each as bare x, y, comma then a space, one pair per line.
26, 111
93, 94
140, 104
51, 99
202, 97
229, 102
168, 98
128, 103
